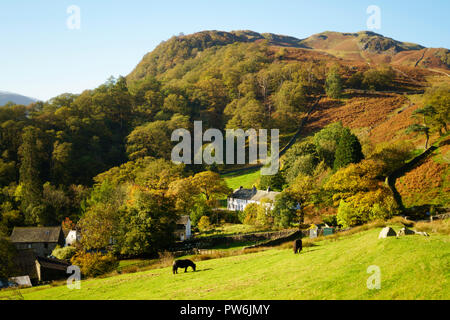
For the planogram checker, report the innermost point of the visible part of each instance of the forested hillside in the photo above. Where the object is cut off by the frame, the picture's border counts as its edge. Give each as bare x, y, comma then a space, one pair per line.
102, 158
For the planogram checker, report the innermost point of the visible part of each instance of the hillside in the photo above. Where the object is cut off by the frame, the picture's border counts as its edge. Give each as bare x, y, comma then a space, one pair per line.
360, 47
428, 183
179, 48
327, 270
105, 154
6, 97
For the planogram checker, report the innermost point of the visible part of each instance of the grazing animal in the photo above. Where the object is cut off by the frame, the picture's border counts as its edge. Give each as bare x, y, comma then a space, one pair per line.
297, 246
182, 264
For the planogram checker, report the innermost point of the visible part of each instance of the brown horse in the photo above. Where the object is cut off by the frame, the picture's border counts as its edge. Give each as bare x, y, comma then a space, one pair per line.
182, 264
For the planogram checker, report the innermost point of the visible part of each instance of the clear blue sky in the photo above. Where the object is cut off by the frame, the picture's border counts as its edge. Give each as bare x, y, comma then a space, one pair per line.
41, 57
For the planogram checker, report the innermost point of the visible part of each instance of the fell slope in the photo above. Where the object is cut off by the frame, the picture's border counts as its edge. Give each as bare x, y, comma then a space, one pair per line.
360, 47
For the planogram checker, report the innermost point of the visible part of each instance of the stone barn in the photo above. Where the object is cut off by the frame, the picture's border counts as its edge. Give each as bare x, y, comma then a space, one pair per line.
39, 269
42, 240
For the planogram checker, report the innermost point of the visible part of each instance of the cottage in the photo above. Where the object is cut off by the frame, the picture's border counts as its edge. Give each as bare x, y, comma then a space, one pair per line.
42, 240
183, 230
242, 197
72, 237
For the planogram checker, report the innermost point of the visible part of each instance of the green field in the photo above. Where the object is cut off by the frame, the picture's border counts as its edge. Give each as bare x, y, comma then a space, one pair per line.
412, 267
246, 180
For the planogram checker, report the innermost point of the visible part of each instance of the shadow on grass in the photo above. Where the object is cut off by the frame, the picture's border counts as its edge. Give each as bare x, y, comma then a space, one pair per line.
207, 269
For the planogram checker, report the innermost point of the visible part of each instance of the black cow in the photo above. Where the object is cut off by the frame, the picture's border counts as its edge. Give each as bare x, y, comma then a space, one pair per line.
182, 264
297, 246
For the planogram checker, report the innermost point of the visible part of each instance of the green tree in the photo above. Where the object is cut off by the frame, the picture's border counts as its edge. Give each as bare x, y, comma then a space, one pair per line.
275, 182
326, 141
348, 150
147, 224
30, 153
333, 84
284, 212
7, 254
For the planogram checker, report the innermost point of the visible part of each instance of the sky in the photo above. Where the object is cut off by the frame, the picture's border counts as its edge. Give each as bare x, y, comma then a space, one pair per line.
44, 54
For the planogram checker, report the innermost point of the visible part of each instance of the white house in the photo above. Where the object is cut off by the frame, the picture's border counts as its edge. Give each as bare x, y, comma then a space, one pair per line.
72, 237
242, 197
183, 231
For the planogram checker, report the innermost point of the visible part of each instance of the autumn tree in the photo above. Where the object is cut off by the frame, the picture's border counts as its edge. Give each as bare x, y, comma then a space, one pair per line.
361, 194
211, 185
204, 224
250, 213
185, 193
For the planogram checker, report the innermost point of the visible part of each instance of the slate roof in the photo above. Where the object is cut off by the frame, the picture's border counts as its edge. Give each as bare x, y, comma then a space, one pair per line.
50, 263
35, 234
261, 194
253, 194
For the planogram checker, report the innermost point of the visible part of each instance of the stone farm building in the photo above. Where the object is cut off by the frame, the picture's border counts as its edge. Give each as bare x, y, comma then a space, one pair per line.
39, 268
42, 240
242, 197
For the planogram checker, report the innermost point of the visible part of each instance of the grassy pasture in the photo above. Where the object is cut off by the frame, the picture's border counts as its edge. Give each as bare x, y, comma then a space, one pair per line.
412, 267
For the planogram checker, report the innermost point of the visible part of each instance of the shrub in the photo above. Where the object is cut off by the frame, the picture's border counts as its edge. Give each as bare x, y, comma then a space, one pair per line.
377, 79
347, 216
242, 215
250, 213
65, 253
264, 214
199, 210
356, 80
379, 212
93, 264
351, 214
330, 220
